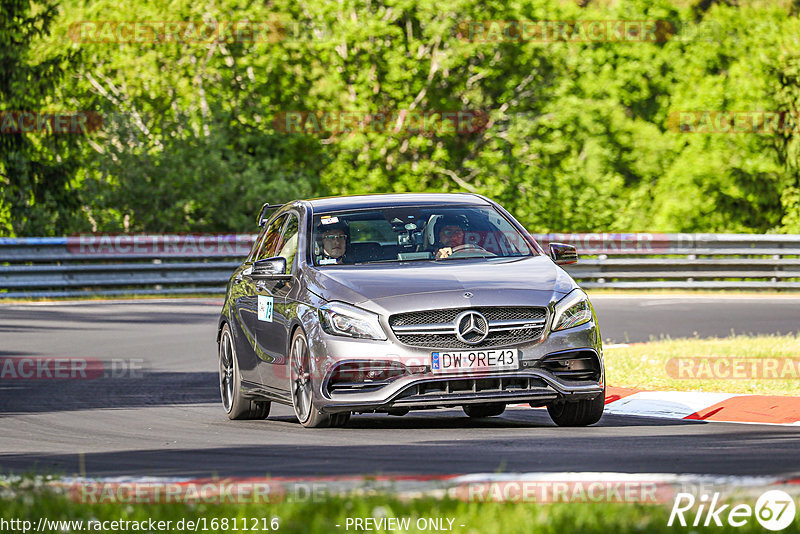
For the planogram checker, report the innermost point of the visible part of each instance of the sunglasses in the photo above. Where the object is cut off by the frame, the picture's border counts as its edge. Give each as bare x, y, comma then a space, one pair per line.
452, 231
334, 237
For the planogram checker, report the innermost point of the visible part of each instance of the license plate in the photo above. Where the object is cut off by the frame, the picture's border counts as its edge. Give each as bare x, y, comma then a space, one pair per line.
474, 361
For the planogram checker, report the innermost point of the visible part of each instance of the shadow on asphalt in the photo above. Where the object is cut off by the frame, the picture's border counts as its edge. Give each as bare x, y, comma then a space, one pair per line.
525, 418
150, 389
15, 353
548, 450
64, 319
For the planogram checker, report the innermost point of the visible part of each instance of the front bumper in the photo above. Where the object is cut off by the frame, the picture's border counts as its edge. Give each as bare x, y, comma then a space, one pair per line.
424, 390
427, 393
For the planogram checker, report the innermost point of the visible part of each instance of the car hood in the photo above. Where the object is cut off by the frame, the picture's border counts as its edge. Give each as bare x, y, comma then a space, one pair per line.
390, 287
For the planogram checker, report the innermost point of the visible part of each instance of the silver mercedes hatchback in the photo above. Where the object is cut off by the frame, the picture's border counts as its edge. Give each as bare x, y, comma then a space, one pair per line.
392, 303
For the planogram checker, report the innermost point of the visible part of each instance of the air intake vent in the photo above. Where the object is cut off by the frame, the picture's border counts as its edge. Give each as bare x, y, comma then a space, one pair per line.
575, 366
364, 376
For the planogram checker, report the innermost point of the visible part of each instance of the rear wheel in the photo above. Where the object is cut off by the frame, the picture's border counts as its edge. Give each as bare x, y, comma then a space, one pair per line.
484, 410
302, 387
580, 413
230, 383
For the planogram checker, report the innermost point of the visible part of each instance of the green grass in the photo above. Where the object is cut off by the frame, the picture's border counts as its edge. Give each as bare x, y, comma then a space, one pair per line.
322, 515
644, 365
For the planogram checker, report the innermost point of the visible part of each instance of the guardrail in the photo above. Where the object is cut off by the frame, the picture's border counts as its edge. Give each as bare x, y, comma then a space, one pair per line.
119, 264
684, 261
179, 264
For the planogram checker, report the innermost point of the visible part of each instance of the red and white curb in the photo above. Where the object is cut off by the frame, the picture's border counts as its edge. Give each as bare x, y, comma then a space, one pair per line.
702, 406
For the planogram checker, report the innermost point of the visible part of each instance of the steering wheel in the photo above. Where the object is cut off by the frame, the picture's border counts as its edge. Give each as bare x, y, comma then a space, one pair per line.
465, 249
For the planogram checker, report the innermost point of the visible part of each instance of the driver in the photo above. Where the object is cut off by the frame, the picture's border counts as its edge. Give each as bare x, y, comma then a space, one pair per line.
449, 231
335, 238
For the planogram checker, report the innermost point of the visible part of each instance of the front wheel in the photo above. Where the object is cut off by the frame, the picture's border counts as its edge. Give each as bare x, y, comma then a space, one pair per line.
581, 413
230, 383
302, 387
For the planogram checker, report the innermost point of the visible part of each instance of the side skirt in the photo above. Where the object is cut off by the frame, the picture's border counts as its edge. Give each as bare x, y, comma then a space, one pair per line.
254, 391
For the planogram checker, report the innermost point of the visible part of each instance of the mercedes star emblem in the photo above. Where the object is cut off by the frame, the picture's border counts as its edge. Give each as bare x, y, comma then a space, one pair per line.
471, 327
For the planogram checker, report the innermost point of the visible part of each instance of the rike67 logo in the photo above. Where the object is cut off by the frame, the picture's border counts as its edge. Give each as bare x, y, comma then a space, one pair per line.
774, 510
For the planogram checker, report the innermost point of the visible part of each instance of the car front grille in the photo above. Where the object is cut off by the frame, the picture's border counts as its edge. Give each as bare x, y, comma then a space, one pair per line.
508, 326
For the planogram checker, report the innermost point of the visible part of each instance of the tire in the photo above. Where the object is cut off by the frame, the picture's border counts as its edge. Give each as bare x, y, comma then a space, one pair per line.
580, 413
476, 411
301, 384
230, 383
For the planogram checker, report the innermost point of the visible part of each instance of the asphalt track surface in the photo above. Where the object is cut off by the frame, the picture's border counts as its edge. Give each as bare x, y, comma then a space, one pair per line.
166, 420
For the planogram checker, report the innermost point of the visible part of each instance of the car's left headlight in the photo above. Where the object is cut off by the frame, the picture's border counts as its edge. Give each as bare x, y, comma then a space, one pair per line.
572, 310
340, 319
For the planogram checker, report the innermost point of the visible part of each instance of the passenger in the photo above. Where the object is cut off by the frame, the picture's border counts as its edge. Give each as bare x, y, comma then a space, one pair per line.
335, 238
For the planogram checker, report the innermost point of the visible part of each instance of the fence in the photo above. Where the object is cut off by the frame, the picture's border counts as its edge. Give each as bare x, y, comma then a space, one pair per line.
181, 264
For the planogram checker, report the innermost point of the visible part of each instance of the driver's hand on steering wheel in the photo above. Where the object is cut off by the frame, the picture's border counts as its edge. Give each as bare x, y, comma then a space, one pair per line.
443, 252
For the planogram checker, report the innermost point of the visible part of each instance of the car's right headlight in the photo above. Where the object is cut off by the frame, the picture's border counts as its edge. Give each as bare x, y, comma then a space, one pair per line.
572, 310
340, 319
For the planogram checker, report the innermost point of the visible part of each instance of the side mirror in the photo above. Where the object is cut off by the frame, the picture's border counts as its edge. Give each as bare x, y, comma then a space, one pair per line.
270, 269
563, 254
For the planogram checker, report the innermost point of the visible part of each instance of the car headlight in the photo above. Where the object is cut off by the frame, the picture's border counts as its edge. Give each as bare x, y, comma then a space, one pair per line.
572, 310
340, 319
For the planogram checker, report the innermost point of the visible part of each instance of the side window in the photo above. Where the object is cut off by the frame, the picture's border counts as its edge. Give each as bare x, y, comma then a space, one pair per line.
256, 243
288, 243
270, 239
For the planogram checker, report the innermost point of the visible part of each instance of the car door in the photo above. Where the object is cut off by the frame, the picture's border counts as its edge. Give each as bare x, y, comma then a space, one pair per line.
272, 331
246, 303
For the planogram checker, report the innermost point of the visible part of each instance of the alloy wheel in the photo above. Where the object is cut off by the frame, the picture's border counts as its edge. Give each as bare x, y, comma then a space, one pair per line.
301, 379
226, 371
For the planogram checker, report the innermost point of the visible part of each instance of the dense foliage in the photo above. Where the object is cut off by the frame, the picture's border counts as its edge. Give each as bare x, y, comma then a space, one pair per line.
569, 135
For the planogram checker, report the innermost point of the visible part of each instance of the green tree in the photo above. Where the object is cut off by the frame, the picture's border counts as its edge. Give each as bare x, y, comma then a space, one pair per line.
578, 136
38, 189
787, 99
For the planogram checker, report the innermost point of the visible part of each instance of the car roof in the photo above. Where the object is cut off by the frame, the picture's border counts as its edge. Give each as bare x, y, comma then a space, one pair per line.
322, 205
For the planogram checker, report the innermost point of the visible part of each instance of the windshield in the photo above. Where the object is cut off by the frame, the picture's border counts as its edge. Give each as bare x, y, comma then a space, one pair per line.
414, 234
